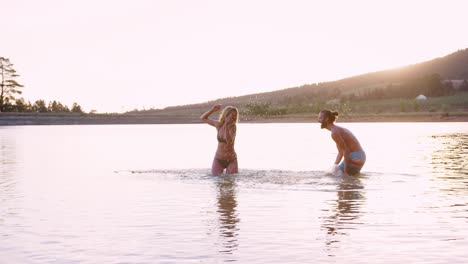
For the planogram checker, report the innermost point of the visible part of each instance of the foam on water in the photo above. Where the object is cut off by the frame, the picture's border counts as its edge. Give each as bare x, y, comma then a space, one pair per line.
261, 179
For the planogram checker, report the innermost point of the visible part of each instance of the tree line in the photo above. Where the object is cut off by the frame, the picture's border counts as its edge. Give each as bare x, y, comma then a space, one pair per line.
39, 106
10, 88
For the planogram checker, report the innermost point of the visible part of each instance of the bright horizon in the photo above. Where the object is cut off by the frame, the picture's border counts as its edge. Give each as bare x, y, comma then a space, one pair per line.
115, 56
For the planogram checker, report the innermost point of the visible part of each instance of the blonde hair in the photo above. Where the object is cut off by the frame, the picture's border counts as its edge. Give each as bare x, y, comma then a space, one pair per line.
227, 111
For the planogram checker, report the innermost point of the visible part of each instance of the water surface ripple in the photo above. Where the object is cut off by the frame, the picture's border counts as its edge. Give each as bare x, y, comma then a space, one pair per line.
144, 194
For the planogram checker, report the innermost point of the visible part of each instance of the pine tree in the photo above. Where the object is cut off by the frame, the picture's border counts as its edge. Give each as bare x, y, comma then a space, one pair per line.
8, 85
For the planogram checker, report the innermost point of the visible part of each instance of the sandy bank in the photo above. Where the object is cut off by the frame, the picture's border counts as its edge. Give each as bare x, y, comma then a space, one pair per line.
416, 117
20, 119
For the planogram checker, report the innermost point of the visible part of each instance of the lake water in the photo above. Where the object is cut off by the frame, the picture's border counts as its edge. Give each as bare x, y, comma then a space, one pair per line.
143, 194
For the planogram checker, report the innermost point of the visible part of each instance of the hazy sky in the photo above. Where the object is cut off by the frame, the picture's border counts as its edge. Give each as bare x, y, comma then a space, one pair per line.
116, 55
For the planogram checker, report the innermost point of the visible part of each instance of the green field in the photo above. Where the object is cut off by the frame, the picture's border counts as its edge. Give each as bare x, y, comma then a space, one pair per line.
454, 104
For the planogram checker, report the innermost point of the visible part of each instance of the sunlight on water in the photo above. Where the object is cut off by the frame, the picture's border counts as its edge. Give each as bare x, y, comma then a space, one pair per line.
144, 194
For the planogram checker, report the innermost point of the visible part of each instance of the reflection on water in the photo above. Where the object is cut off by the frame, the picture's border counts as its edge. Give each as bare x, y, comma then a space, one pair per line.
7, 157
7, 177
65, 200
345, 210
228, 217
450, 162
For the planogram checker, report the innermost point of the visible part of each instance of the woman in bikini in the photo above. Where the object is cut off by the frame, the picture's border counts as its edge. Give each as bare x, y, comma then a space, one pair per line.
225, 157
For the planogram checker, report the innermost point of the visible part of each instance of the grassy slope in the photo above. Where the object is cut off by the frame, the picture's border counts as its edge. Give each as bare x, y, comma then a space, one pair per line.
453, 103
310, 98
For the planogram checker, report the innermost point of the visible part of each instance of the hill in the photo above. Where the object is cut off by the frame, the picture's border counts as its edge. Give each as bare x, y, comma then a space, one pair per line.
387, 91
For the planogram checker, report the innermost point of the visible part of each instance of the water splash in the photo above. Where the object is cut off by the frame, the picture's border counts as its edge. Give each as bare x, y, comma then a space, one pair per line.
285, 179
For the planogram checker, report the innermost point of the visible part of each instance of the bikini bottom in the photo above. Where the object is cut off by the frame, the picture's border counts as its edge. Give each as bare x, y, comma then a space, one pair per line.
225, 163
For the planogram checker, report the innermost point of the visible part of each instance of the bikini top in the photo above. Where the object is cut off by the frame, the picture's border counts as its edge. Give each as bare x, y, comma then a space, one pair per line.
221, 140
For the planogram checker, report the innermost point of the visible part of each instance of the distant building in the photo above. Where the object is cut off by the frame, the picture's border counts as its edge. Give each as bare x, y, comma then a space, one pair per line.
421, 97
456, 84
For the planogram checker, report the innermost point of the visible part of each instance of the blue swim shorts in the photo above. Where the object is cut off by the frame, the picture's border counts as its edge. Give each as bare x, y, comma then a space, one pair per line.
358, 158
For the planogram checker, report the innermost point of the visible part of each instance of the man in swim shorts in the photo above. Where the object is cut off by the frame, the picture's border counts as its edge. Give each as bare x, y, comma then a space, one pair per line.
349, 148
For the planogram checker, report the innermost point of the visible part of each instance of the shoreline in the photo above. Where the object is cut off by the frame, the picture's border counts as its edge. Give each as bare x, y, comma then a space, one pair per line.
29, 119
384, 118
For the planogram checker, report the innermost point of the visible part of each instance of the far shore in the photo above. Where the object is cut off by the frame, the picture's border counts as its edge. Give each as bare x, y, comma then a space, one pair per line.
21, 119
405, 117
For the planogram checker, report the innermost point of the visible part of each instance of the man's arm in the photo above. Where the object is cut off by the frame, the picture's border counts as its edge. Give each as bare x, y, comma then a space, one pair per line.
342, 148
339, 156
